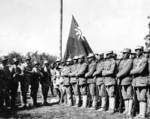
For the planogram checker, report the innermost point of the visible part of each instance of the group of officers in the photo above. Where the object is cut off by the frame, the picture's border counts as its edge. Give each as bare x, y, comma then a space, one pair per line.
93, 85
96, 85
28, 75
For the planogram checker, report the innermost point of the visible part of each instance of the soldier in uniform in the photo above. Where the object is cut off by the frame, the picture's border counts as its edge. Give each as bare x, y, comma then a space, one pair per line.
4, 83
125, 80
82, 69
74, 82
100, 81
15, 78
109, 79
140, 81
26, 77
66, 83
36, 75
46, 80
91, 81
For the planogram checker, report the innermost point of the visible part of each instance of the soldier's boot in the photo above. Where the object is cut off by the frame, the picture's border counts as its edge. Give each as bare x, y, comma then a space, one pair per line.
126, 103
140, 111
89, 103
84, 101
77, 102
108, 111
69, 100
94, 103
112, 105
103, 104
45, 100
25, 101
143, 109
130, 107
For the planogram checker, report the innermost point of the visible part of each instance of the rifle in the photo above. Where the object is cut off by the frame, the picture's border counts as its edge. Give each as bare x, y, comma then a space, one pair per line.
120, 97
135, 102
97, 95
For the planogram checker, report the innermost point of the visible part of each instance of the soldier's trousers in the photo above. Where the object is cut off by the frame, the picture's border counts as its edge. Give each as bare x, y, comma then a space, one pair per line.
25, 81
45, 89
75, 88
127, 92
7, 96
83, 89
14, 88
141, 93
34, 90
110, 90
68, 89
101, 90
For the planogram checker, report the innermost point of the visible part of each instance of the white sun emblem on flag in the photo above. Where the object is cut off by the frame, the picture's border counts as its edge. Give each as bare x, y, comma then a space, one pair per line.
78, 33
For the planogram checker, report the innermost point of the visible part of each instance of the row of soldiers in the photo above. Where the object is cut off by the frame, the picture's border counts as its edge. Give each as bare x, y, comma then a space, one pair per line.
25, 74
104, 82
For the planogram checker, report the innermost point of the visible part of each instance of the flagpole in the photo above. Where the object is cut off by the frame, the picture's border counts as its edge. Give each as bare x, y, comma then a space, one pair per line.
61, 25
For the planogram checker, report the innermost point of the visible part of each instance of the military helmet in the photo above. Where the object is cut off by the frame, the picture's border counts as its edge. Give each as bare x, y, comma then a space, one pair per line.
146, 50
132, 52
4, 58
139, 48
126, 50
15, 60
90, 55
58, 60
81, 56
69, 60
75, 57
109, 52
36, 63
27, 58
46, 62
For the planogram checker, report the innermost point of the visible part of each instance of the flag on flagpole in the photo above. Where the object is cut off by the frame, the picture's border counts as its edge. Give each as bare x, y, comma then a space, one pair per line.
76, 44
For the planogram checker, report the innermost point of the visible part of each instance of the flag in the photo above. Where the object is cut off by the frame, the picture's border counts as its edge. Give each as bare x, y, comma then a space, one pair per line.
76, 44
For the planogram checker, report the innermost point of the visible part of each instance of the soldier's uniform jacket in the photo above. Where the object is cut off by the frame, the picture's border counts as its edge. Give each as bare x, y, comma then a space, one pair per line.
98, 73
74, 70
89, 74
140, 72
82, 69
125, 67
4, 79
15, 70
46, 75
117, 66
36, 74
109, 72
26, 72
65, 75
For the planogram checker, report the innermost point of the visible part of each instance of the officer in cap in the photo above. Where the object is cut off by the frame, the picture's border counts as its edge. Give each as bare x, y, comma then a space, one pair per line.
100, 82
46, 80
4, 83
109, 79
26, 69
66, 82
125, 80
140, 81
91, 81
74, 81
15, 76
36, 76
81, 71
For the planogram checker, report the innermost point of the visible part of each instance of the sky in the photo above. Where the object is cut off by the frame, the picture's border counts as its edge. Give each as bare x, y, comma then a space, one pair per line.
34, 25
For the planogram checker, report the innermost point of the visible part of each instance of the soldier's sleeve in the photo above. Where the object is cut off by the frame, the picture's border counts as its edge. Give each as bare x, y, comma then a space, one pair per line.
91, 71
149, 66
111, 70
83, 70
140, 68
98, 71
126, 69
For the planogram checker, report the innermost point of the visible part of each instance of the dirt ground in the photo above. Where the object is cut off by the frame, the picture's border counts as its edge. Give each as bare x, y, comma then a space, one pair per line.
55, 111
